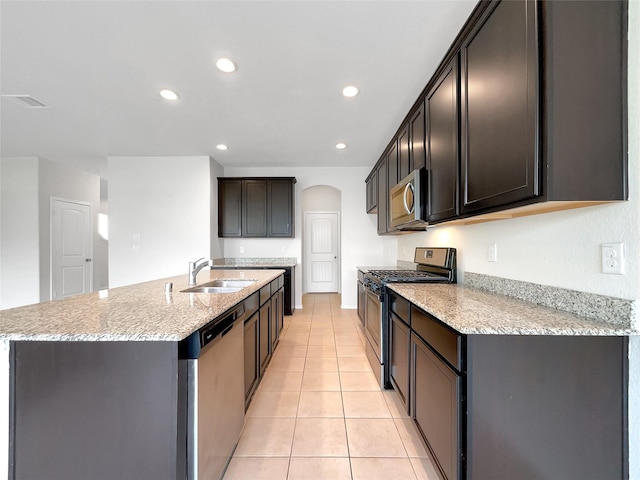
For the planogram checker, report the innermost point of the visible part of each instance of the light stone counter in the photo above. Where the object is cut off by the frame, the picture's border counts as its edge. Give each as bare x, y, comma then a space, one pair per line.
473, 311
141, 312
255, 262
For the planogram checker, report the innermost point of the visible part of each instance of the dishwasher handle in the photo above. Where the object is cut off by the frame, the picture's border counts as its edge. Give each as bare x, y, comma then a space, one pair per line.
221, 327
193, 346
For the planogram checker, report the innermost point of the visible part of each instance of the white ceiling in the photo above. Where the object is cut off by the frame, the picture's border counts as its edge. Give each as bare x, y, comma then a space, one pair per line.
99, 66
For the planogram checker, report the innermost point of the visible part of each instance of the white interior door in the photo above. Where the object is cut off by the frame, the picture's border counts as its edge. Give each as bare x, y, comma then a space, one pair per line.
321, 252
71, 248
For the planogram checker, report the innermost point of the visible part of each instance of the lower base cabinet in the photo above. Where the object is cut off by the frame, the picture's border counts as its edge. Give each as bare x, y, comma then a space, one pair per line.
514, 406
262, 332
250, 357
436, 406
399, 358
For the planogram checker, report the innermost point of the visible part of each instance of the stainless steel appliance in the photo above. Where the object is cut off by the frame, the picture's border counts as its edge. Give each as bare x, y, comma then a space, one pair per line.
433, 265
211, 370
407, 202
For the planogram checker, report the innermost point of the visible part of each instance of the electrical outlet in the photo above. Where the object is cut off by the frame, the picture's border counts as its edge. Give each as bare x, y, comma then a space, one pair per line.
135, 237
241, 249
492, 252
136, 248
613, 258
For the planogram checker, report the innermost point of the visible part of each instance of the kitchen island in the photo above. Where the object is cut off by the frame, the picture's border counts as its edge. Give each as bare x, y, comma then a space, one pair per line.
501, 388
95, 380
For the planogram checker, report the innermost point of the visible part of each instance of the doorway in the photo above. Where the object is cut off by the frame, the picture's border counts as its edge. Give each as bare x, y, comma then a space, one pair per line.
71, 248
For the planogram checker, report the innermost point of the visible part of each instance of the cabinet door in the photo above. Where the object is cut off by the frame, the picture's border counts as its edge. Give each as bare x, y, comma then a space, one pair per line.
264, 348
499, 108
254, 208
404, 164
280, 206
392, 181
229, 208
372, 193
442, 142
276, 317
392, 167
399, 358
417, 150
383, 197
250, 356
435, 406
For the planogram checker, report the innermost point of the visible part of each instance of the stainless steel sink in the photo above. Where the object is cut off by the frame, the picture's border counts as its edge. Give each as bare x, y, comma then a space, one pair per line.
220, 286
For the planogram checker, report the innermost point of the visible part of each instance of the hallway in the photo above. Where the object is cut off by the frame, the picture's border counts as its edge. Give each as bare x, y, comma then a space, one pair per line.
319, 412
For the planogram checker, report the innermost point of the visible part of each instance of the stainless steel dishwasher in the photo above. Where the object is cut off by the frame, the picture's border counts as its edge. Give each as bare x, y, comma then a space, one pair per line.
211, 371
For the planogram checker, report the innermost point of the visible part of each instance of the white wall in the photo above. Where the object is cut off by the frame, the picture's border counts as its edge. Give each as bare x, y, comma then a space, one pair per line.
19, 243
57, 180
217, 248
167, 202
359, 242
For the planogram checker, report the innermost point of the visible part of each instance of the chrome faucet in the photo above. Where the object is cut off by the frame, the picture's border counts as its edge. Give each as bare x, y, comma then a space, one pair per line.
195, 267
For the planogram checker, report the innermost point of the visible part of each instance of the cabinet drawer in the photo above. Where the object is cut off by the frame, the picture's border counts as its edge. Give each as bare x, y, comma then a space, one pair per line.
251, 304
400, 306
265, 293
443, 340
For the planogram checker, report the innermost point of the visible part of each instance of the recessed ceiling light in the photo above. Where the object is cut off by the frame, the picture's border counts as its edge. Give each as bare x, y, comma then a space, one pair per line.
350, 91
225, 65
341, 146
168, 94
222, 146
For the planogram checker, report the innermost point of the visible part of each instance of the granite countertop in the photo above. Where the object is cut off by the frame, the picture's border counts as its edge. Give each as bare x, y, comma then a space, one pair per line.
473, 311
140, 312
269, 262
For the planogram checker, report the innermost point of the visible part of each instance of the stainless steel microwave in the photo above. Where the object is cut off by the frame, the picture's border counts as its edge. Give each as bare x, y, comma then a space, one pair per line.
407, 202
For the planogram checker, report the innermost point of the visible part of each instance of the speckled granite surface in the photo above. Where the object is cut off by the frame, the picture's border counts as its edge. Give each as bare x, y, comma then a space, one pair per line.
132, 313
617, 311
473, 311
256, 261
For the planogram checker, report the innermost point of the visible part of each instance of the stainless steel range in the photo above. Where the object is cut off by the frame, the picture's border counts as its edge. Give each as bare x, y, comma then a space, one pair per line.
433, 265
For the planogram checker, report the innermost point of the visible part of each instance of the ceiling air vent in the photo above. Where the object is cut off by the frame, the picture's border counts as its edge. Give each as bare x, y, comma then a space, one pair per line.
26, 101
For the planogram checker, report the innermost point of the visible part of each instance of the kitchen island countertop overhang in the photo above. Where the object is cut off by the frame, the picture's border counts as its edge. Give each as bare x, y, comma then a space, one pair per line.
139, 312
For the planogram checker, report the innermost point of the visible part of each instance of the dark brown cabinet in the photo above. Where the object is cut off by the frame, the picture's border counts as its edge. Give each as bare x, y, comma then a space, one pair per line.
417, 149
256, 207
372, 192
383, 196
490, 406
525, 114
399, 336
442, 144
264, 336
280, 204
250, 356
404, 157
436, 406
500, 111
230, 195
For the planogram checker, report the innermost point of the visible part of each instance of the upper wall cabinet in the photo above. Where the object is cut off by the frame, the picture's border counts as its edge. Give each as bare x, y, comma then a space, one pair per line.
442, 144
372, 192
256, 207
500, 114
417, 138
527, 113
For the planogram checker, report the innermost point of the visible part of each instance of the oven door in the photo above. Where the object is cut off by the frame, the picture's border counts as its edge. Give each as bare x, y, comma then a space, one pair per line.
373, 322
374, 333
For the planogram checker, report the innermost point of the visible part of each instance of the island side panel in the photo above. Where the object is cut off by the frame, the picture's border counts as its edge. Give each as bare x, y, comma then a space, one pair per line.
98, 410
546, 407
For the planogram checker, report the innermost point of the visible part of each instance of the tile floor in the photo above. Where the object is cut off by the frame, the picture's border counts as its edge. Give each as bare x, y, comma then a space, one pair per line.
319, 412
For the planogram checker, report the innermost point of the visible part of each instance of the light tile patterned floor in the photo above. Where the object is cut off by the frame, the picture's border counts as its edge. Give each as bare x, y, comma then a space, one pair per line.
319, 412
